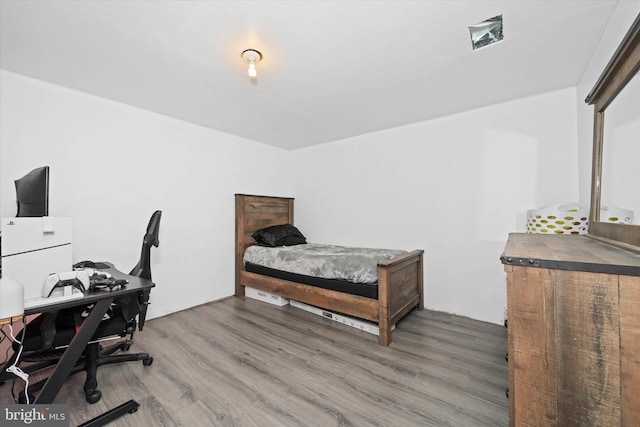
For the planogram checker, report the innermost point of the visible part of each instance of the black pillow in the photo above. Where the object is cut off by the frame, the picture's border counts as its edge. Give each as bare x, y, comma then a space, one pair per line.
279, 235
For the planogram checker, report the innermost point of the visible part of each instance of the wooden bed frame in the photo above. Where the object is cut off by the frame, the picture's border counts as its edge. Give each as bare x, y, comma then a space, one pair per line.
400, 280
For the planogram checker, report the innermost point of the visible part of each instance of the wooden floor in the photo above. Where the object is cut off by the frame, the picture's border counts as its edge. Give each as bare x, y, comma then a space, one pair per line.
242, 362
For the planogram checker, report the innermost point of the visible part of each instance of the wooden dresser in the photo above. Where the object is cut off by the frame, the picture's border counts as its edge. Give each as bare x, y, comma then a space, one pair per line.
573, 332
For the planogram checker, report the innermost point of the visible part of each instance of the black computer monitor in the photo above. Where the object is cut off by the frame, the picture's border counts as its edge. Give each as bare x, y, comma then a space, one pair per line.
32, 193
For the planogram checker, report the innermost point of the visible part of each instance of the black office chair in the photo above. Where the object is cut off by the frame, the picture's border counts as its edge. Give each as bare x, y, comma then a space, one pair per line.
122, 322
143, 268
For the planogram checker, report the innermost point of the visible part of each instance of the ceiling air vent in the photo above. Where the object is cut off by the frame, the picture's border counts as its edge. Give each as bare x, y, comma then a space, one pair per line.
486, 32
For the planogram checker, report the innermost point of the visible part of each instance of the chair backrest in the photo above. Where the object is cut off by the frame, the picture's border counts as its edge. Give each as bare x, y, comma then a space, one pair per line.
143, 268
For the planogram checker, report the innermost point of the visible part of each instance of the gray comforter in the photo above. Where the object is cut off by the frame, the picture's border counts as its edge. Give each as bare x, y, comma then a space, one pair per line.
357, 265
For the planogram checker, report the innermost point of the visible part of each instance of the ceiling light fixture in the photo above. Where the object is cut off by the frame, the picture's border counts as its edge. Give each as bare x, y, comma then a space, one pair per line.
252, 57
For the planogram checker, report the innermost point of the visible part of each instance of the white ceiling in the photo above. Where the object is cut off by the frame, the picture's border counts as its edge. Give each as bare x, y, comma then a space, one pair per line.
331, 69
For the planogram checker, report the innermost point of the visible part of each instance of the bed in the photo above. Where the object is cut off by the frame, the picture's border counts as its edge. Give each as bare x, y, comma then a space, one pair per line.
400, 279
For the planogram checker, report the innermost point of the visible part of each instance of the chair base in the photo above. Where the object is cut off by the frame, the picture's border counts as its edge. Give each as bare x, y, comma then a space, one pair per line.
93, 357
96, 356
126, 408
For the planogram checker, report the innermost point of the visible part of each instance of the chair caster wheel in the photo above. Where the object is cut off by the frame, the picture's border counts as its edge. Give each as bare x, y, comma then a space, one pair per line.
126, 347
94, 397
147, 362
133, 410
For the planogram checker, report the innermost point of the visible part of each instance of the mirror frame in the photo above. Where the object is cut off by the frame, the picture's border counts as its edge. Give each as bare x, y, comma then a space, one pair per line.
622, 67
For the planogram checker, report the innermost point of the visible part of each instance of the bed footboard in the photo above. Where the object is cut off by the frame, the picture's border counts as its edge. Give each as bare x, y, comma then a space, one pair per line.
400, 289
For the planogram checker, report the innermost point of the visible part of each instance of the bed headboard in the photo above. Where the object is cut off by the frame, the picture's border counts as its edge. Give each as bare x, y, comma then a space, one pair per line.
254, 213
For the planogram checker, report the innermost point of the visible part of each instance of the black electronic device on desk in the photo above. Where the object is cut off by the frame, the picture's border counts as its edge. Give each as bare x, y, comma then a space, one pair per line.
91, 264
102, 281
98, 278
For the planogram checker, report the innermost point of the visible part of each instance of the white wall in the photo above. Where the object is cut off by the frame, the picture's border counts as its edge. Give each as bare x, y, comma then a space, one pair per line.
623, 16
454, 187
112, 165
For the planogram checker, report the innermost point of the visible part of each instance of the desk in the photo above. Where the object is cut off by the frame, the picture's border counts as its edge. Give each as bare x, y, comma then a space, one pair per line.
10, 320
102, 300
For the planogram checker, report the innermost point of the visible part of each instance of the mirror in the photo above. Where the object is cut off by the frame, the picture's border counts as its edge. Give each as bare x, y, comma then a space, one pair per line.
620, 201
615, 178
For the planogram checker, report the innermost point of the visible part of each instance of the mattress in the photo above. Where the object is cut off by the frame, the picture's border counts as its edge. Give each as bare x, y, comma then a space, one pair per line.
368, 290
342, 263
